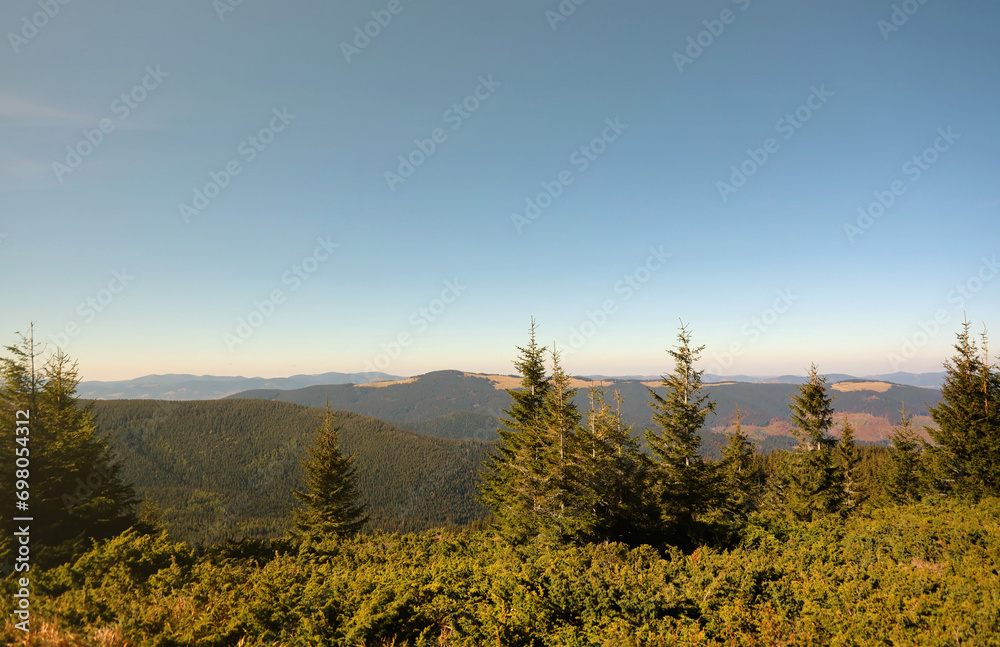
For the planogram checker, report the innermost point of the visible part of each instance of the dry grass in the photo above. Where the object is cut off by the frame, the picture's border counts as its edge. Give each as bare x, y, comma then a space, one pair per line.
878, 387
389, 383
48, 634
503, 382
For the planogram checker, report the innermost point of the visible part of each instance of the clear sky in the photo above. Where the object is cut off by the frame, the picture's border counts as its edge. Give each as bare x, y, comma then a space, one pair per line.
265, 188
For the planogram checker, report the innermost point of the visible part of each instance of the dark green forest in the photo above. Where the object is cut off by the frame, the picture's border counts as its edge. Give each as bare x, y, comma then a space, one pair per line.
225, 469
263, 522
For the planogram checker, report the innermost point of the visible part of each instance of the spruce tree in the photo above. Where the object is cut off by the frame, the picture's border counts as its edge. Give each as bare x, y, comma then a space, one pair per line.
562, 502
686, 485
76, 489
814, 480
848, 459
905, 482
510, 481
740, 473
619, 475
967, 436
331, 506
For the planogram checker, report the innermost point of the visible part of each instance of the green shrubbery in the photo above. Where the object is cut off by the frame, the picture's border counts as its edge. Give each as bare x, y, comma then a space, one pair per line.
922, 574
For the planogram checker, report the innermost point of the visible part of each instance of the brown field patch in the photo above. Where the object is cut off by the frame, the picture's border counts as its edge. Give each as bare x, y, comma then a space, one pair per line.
512, 382
408, 380
878, 387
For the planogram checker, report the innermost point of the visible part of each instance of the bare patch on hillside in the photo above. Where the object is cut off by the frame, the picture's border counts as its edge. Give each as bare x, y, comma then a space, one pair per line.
657, 383
878, 387
503, 382
408, 380
867, 427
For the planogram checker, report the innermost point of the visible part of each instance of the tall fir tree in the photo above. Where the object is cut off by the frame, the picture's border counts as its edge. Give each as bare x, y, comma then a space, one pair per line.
967, 436
741, 477
815, 484
77, 492
686, 485
510, 481
849, 460
905, 480
331, 506
563, 506
619, 475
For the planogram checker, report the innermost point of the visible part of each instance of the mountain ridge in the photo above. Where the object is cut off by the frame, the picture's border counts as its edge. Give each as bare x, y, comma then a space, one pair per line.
453, 404
183, 386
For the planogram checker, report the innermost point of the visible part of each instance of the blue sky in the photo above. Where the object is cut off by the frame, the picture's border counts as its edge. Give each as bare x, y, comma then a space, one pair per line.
245, 209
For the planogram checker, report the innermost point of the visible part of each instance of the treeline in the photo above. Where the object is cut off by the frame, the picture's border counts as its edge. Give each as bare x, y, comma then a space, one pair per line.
570, 476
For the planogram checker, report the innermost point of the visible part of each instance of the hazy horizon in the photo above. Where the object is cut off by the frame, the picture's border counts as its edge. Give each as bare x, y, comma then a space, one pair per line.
249, 189
478, 372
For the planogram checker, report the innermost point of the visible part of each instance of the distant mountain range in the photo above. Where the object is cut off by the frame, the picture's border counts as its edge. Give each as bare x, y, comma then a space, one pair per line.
453, 404
212, 387
927, 380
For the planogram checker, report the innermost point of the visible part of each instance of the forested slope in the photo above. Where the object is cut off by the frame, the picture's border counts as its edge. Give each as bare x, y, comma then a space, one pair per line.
225, 468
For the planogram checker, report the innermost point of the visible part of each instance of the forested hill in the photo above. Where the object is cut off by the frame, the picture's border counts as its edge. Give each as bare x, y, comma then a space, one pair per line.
460, 405
226, 468
414, 400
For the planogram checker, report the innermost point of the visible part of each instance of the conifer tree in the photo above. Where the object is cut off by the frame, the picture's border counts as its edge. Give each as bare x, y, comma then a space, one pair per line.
619, 475
686, 485
510, 483
331, 506
562, 505
740, 475
848, 459
905, 482
968, 421
76, 489
814, 481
